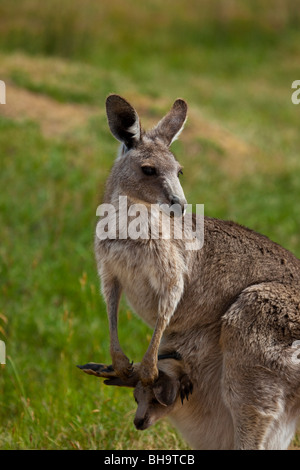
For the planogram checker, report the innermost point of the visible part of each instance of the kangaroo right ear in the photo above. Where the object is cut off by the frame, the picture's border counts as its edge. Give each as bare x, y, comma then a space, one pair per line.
123, 120
169, 128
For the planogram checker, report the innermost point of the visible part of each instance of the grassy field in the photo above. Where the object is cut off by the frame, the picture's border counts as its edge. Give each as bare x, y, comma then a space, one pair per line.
240, 152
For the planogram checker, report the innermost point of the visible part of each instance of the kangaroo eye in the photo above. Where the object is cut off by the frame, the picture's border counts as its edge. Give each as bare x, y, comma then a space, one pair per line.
148, 170
180, 172
154, 401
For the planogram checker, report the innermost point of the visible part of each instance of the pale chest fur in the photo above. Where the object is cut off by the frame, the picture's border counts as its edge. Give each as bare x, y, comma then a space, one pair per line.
145, 272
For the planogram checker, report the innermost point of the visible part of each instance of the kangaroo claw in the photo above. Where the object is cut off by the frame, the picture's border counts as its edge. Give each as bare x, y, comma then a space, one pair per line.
99, 370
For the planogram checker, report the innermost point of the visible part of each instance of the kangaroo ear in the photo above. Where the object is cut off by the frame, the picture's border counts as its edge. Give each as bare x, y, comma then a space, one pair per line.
123, 120
169, 128
165, 389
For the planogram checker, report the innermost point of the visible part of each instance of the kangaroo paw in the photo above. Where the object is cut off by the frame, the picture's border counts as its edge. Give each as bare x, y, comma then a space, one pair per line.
99, 370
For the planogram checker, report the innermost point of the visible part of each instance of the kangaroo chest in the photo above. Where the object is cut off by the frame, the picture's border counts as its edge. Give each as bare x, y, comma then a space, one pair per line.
141, 295
139, 276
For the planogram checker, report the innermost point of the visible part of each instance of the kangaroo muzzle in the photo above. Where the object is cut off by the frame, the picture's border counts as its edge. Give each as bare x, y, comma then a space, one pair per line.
179, 203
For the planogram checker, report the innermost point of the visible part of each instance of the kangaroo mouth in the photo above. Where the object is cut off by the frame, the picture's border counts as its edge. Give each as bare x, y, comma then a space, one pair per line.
142, 424
141, 427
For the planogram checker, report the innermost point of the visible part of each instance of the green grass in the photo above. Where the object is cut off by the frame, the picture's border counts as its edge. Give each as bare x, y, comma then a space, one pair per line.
240, 157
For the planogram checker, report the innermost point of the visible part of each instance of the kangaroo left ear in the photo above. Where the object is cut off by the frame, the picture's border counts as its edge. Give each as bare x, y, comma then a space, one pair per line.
165, 389
123, 120
170, 127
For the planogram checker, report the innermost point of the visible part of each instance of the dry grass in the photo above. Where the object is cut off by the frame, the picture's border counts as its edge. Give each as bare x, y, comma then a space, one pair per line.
55, 119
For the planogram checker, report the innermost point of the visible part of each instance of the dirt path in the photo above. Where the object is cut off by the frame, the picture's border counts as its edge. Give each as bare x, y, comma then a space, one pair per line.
56, 119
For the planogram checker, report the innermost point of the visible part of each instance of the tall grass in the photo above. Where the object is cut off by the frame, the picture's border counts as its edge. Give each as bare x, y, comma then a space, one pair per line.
93, 29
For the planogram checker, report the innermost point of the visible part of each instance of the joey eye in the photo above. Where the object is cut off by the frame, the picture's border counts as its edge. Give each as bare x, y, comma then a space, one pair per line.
180, 172
149, 170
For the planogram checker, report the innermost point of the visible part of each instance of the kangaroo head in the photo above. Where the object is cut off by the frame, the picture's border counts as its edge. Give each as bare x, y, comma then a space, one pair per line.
155, 401
146, 171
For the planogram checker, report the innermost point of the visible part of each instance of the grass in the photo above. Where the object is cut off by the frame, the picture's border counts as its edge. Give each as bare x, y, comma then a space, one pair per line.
239, 150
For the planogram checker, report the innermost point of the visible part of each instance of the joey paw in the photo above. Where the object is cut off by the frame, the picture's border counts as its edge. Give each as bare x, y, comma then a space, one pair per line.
186, 387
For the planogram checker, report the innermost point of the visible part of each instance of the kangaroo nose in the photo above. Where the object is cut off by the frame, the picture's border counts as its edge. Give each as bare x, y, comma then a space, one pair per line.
176, 200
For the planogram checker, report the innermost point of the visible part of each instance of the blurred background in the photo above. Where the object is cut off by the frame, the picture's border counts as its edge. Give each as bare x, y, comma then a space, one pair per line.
234, 63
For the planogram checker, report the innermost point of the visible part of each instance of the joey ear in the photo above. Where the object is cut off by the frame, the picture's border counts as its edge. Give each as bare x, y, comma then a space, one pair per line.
165, 389
123, 120
169, 128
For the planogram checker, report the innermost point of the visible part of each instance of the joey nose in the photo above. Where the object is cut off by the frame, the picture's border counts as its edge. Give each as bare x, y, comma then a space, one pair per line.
139, 423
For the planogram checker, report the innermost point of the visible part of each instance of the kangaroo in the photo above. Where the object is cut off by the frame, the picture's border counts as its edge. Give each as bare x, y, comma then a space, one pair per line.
230, 309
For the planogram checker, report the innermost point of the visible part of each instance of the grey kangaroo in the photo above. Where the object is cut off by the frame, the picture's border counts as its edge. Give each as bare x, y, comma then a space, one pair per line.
230, 309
